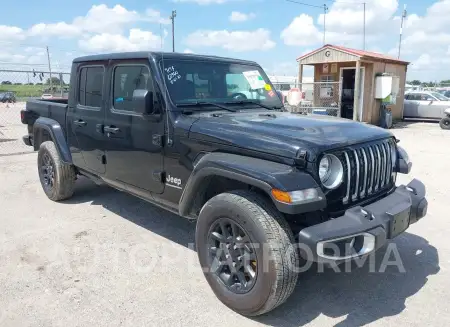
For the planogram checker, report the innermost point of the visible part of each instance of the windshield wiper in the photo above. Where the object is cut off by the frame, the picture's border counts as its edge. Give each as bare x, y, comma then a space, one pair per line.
204, 103
253, 102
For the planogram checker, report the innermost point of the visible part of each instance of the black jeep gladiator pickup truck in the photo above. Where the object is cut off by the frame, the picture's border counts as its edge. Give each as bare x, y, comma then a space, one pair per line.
209, 139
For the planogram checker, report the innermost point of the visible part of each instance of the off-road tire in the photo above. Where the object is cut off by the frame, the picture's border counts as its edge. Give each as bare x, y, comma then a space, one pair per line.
445, 123
264, 225
64, 174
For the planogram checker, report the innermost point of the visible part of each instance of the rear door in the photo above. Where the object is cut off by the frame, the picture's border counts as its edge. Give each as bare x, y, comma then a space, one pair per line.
85, 118
133, 141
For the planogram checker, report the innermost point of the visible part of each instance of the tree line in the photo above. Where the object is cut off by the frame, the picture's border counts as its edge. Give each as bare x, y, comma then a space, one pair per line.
416, 82
55, 81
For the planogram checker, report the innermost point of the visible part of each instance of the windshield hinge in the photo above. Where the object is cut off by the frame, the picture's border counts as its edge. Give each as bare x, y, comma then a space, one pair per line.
301, 158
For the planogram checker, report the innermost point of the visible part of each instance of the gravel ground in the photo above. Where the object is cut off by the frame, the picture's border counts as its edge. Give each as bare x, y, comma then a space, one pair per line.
104, 258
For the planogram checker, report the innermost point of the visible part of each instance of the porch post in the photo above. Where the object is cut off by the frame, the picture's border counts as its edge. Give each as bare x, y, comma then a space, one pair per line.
356, 100
300, 76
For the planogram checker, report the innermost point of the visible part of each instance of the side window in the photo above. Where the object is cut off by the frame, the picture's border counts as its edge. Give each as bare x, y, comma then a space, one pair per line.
127, 79
91, 86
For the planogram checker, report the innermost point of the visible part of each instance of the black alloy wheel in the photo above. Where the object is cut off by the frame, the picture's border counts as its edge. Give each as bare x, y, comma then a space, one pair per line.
48, 172
232, 256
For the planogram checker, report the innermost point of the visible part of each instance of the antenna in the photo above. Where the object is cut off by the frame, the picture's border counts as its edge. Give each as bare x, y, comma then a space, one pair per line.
401, 31
161, 35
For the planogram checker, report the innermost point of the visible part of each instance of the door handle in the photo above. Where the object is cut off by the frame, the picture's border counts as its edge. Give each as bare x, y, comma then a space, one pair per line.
111, 129
79, 122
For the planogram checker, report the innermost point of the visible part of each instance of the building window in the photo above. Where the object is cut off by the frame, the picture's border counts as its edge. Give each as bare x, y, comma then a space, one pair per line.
326, 88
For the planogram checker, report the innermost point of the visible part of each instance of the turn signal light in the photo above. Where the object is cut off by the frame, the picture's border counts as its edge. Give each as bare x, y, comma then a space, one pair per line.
281, 196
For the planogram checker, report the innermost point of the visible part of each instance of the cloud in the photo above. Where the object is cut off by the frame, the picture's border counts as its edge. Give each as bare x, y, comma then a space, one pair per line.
107, 42
204, 2
426, 34
237, 41
344, 24
99, 19
11, 33
301, 32
60, 29
237, 16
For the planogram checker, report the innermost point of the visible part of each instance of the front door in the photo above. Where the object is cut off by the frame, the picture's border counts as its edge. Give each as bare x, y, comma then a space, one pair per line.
133, 142
85, 119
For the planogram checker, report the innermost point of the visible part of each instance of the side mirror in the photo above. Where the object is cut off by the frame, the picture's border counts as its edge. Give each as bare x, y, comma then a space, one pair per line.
143, 102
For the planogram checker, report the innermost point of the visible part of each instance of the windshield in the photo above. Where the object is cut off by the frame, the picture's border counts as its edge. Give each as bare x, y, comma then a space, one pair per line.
439, 96
190, 81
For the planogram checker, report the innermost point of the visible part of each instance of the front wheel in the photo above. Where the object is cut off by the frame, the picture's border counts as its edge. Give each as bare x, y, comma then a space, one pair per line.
445, 123
245, 248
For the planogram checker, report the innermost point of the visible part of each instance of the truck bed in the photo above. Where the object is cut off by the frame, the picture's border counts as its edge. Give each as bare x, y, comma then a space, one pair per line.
50, 108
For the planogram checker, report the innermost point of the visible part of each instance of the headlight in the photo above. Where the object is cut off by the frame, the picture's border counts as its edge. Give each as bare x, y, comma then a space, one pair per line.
331, 172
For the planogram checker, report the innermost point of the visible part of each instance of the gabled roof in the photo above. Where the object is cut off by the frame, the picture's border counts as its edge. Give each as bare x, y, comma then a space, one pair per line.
359, 53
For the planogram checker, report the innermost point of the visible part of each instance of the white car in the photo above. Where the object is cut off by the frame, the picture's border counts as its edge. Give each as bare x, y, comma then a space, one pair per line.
46, 96
425, 104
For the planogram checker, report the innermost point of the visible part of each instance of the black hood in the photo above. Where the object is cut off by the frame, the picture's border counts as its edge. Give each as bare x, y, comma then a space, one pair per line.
282, 133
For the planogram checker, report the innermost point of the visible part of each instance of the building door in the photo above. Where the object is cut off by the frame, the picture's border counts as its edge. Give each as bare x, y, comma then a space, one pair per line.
348, 92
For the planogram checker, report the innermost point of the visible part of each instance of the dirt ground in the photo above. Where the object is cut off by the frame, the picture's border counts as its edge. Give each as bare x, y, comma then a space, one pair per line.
104, 258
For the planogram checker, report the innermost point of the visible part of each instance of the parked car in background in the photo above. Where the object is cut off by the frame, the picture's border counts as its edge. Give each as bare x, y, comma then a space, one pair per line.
7, 97
426, 105
46, 96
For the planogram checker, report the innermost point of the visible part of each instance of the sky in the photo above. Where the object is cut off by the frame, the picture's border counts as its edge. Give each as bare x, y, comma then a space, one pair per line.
272, 32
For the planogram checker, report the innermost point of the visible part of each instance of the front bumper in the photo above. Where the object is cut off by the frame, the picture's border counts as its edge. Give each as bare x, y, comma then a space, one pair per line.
363, 230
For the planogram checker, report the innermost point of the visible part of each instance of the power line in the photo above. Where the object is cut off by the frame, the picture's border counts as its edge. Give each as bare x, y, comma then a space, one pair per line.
304, 4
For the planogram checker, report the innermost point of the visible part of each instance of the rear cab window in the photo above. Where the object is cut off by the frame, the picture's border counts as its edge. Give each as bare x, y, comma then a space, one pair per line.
90, 90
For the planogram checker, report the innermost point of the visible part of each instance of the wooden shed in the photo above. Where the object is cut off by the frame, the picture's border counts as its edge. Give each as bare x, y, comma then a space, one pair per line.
339, 64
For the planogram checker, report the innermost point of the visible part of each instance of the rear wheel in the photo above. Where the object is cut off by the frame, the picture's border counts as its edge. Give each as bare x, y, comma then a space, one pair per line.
57, 178
445, 123
245, 248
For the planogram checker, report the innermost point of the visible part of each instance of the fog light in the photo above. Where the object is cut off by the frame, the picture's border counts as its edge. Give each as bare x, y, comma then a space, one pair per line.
347, 247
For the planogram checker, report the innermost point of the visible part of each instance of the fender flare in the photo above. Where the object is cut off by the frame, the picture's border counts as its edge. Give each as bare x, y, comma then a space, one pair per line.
259, 173
53, 128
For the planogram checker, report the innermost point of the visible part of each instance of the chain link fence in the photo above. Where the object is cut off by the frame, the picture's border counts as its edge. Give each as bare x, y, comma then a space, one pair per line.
320, 98
16, 87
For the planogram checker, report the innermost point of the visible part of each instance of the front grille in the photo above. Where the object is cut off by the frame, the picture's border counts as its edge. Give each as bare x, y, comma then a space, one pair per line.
368, 171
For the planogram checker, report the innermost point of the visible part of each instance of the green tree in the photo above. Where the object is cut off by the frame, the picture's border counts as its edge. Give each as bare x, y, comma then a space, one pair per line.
6, 83
55, 81
415, 82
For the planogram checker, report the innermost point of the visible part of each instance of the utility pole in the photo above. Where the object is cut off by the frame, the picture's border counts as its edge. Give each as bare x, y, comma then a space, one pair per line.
50, 70
364, 27
172, 17
324, 21
401, 31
